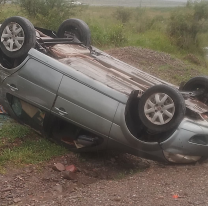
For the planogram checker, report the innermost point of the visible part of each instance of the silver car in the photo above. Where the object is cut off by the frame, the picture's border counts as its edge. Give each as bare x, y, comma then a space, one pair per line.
77, 95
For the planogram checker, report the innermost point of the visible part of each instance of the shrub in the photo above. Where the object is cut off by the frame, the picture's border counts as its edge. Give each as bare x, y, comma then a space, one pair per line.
99, 35
143, 21
123, 15
116, 35
43, 7
112, 35
48, 13
185, 24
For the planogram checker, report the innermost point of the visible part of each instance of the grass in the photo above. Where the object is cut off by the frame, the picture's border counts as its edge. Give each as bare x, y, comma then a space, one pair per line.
19, 146
155, 40
31, 152
13, 131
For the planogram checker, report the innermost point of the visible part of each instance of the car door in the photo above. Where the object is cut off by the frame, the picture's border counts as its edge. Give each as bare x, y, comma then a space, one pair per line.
85, 106
32, 88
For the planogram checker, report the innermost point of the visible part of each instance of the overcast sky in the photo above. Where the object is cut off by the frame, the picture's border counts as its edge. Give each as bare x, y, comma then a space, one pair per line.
178, 0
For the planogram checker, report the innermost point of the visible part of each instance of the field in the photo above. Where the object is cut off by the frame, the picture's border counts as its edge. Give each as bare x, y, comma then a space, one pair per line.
135, 3
118, 26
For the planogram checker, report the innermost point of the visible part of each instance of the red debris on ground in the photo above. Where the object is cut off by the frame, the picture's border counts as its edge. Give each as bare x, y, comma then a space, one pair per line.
69, 175
175, 196
71, 168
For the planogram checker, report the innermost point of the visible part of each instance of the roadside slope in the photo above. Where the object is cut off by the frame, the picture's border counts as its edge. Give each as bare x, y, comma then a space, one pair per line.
160, 64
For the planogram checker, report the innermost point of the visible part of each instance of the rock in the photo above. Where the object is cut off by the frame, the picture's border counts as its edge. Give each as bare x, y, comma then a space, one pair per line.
5, 194
58, 167
58, 188
16, 200
34, 179
199, 203
27, 170
6, 189
86, 172
69, 175
117, 199
71, 168
87, 180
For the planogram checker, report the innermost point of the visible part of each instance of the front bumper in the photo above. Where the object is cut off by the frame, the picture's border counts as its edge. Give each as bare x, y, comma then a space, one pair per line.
188, 143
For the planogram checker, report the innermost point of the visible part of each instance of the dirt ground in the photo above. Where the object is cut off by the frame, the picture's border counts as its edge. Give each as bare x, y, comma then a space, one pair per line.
109, 179
106, 180
159, 64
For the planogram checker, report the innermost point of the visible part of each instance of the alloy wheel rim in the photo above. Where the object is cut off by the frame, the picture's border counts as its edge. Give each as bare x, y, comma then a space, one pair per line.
13, 37
159, 109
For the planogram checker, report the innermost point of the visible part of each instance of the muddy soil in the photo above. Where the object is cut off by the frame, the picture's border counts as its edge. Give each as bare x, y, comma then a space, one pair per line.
110, 179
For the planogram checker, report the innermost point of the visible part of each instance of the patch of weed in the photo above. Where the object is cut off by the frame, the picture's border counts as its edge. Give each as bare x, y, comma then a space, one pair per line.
155, 40
12, 130
19, 145
31, 152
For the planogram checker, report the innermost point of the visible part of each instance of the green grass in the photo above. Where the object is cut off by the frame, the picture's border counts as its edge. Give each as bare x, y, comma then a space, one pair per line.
31, 152
155, 40
19, 145
12, 131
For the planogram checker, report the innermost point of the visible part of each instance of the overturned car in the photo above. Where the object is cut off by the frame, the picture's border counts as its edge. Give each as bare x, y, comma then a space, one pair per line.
77, 95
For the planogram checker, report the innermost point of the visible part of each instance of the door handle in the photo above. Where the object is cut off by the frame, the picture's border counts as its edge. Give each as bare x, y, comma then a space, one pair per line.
13, 88
61, 112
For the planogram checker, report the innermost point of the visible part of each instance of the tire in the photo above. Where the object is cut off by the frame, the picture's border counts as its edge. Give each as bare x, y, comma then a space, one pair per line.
196, 83
78, 27
26, 37
161, 116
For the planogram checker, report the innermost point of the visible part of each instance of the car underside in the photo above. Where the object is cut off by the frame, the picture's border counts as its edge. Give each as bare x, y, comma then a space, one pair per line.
80, 96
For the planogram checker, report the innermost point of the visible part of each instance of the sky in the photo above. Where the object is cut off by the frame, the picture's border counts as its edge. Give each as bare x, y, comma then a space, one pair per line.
178, 0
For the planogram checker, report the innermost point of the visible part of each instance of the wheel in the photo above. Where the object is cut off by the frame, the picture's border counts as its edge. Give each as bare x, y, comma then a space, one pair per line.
17, 36
77, 27
161, 108
196, 84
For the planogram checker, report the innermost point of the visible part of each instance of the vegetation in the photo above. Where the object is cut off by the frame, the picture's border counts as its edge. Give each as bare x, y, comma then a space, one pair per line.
19, 145
123, 15
178, 31
185, 25
49, 13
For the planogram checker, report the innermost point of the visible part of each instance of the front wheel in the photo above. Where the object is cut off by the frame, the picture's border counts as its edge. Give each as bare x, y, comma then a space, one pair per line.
76, 27
17, 37
161, 108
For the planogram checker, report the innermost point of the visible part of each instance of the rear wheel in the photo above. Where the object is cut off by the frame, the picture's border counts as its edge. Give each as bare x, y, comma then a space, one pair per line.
75, 27
198, 84
17, 37
161, 108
